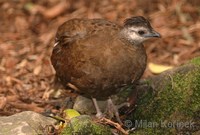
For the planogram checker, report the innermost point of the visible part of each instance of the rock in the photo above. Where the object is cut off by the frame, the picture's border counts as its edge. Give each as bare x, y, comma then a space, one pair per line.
24, 123
84, 125
85, 105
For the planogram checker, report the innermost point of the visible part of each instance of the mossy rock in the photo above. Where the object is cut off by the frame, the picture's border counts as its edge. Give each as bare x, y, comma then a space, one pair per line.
84, 125
173, 106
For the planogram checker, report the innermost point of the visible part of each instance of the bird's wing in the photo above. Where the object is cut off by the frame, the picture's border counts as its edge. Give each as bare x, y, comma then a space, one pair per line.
73, 56
75, 29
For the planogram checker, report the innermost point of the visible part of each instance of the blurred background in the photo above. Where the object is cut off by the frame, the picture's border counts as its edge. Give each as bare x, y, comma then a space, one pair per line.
28, 29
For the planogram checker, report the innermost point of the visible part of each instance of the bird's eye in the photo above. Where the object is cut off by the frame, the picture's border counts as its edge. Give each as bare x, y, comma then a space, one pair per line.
141, 32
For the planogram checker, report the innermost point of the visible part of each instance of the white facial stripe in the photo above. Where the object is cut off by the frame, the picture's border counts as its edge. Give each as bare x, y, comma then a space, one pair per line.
133, 36
137, 28
136, 37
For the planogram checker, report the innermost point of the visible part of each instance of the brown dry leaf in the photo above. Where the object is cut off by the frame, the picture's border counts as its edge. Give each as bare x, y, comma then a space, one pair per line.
56, 10
11, 62
46, 37
32, 106
2, 68
47, 94
3, 102
37, 70
21, 24
12, 98
22, 64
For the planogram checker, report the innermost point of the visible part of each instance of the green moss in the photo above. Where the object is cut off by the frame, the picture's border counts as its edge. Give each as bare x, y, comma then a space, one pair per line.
85, 126
177, 101
195, 61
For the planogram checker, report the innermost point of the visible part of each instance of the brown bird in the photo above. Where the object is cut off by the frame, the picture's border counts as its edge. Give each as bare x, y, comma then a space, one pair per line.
97, 57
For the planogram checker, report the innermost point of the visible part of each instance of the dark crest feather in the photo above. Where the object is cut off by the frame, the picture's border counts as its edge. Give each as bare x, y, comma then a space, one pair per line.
137, 21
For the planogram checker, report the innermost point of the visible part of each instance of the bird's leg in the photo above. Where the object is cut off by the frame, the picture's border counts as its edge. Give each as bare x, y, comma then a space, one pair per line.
114, 110
99, 113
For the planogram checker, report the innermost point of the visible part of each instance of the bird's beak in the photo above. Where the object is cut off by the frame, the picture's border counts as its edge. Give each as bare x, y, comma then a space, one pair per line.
152, 34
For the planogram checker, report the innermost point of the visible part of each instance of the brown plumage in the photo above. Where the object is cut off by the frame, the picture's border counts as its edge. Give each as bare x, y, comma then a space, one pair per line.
97, 57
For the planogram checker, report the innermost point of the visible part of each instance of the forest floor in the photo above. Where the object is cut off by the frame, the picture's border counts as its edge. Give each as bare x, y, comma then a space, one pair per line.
27, 36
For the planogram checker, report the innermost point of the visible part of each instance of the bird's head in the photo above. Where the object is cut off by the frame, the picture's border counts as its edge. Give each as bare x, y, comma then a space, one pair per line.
138, 29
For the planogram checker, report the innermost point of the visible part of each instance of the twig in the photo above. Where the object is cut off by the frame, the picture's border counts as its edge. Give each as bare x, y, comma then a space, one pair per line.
116, 125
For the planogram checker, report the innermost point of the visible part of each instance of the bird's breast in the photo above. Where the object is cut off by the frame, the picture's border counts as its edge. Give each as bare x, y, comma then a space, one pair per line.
99, 68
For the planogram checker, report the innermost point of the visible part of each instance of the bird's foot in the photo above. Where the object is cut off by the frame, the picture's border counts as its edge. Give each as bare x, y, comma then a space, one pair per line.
100, 115
113, 110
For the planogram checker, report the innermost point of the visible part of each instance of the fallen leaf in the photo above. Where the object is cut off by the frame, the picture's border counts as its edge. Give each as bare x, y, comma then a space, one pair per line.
37, 70
156, 68
22, 64
71, 113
